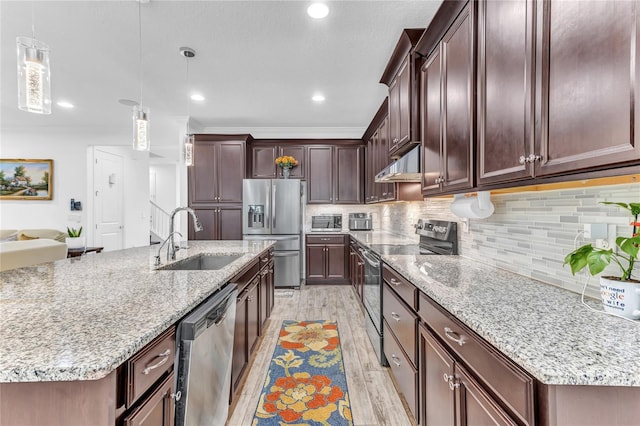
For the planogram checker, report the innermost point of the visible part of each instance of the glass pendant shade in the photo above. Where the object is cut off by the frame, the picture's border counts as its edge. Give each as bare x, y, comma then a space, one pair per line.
34, 76
188, 150
141, 128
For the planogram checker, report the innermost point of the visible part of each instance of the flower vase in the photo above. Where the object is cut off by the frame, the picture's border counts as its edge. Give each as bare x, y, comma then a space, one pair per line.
286, 172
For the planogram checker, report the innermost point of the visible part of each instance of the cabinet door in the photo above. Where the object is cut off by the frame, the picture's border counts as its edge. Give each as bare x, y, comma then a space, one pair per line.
387, 191
319, 175
457, 103
589, 85
315, 261
230, 164
272, 286
505, 65
299, 153
229, 223
371, 170
348, 174
431, 130
209, 220
202, 175
475, 406
157, 409
436, 369
263, 162
394, 114
240, 350
336, 262
404, 87
264, 298
253, 314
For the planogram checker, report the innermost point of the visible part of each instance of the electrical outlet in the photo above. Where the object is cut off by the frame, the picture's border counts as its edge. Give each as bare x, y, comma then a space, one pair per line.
602, 244
594, 231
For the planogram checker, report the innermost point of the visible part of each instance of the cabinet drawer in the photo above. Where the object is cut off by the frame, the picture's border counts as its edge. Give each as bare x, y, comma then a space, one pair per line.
149, 364
508, 382
402, 322
325, 239
404, 373
404, 288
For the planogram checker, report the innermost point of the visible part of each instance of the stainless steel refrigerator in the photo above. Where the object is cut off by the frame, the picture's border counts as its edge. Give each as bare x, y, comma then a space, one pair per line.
272, 209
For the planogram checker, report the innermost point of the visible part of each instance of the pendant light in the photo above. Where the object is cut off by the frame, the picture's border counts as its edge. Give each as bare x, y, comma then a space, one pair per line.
140, 113
189, 139
34, 74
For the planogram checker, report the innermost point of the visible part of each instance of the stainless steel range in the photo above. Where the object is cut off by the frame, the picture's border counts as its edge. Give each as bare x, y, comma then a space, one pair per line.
436, 238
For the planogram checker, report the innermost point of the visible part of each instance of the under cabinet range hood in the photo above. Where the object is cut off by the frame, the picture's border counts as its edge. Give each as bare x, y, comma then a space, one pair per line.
404, 169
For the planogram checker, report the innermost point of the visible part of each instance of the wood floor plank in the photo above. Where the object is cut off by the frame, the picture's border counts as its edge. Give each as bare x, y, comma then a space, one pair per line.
374, 400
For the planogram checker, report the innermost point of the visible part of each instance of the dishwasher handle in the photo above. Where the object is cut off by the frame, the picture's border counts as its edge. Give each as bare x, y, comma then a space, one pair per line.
212, 311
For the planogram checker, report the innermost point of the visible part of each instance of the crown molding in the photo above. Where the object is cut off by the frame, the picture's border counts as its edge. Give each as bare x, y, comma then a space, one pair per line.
291, 132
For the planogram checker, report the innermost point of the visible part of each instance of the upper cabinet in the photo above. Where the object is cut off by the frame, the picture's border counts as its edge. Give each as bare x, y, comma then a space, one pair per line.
218, 169
556, 84
263, 154
590, 59
377, 156
401, 77
335, 174
447, 107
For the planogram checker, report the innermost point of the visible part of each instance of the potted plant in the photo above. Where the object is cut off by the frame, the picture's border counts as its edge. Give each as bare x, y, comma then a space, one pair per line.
75, 238
286, 162
621, 293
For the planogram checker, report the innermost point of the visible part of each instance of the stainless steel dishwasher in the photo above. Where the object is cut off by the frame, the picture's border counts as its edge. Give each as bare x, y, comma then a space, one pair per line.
205, 350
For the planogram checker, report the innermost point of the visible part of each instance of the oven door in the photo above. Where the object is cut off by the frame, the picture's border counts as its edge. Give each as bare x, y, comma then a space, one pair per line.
372, 291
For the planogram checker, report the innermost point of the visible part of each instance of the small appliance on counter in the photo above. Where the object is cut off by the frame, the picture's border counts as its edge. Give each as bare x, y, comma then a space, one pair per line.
360, 222
326, 223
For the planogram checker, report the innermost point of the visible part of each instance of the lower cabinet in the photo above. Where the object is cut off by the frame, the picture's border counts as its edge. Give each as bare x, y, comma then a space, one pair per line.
157, 409
356, 269
327, 259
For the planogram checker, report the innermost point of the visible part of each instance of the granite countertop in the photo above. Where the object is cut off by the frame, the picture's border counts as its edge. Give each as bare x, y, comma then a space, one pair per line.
544, 329
80, 318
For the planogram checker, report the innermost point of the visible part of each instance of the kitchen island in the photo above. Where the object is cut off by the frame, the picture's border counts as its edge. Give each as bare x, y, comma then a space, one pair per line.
78, 320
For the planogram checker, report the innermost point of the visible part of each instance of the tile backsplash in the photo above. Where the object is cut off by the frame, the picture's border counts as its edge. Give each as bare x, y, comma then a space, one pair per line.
529, 233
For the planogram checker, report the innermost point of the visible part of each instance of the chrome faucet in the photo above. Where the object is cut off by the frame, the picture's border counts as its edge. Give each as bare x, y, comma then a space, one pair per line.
171, 248
158, 263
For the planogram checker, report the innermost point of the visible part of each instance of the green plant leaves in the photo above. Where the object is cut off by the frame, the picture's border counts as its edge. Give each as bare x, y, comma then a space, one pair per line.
629, 245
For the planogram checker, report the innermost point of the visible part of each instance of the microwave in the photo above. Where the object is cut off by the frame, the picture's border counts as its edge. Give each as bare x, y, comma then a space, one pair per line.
326, 223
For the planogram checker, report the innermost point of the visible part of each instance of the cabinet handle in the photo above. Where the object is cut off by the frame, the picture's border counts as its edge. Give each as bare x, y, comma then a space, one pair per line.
176, 396
265, 260
453, 385
395, 316
532, 158
452, 335
325, 239
250, 299
395, 360
164, 355
396, 140
395, 282
447, 378
360, 263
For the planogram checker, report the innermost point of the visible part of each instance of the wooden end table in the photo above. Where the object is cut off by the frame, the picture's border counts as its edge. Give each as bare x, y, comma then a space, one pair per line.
75, 252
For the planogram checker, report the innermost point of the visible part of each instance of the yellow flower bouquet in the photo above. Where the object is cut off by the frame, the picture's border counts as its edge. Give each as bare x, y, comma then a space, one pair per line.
286, 162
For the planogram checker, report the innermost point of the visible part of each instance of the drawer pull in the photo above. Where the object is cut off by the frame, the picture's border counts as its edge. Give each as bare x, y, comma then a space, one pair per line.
360, 263
165, 357
265, 260
395, 316
325, 239
395, 282
452, 335
395, 360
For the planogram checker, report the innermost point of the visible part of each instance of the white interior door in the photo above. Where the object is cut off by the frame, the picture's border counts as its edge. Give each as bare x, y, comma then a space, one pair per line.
108, 181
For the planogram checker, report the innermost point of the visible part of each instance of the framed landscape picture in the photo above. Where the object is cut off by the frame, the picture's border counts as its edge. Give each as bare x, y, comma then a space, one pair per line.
26, 179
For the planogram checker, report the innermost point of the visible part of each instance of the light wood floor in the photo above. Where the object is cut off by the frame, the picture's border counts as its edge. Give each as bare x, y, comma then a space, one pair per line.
374, 400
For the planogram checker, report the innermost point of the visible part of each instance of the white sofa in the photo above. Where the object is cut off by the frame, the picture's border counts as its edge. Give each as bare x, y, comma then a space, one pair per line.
27, 247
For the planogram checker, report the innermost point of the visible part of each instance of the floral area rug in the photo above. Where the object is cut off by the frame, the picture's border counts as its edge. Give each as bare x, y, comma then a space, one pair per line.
305, 384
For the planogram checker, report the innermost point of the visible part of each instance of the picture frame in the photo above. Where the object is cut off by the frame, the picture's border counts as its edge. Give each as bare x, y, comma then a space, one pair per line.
26, 179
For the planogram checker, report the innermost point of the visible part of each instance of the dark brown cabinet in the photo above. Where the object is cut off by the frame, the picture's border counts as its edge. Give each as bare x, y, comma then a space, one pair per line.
590, 56
253, 314
218, 223
400, 75
263, 156
447, 99
356, 269
335, 174
505, 65
266, 289
218, 169
327, 259
157, 409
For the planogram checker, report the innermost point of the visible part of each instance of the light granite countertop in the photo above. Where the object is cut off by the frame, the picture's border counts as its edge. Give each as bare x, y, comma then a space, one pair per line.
383, 237
544, 329
80, 318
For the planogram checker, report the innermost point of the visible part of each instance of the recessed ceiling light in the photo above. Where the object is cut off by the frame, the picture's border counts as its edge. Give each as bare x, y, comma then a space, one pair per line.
318, 97
197, 97
318, 10
65, 104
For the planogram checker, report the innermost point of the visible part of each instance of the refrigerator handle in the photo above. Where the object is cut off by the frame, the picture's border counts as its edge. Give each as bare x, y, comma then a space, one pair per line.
267, 210
273, 201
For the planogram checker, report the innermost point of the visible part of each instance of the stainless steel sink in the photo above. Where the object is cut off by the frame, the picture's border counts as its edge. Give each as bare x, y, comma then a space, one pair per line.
201, 262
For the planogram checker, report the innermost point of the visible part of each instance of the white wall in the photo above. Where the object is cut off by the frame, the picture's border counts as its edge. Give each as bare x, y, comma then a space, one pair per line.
71, 179
164, 186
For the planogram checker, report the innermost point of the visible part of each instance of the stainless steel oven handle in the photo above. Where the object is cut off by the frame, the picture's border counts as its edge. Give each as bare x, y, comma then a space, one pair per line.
371, 260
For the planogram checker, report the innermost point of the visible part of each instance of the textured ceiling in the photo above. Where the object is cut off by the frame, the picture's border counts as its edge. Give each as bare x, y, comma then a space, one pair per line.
258, 62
